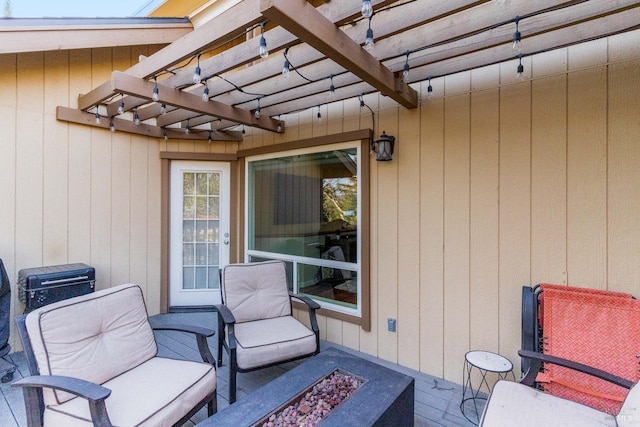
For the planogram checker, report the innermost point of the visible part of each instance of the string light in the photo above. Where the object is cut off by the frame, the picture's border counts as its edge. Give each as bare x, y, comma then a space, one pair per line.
163, 108
243, 131
97, 116
112, 127
517, 37
264, 52
166, 137
257, 113
429, 89
188, 128
155, 96
279, 128
368, 42
197, 74
205, 94
319, 115
121, 106
209, 139
367, 9
286, 69
332, 88
405, 71
520, 69
136, 118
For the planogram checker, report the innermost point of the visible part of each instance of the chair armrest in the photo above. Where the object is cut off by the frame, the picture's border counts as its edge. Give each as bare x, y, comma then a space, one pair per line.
538, 358
94, 393
192, 329
200, 332
313, 305
225, 314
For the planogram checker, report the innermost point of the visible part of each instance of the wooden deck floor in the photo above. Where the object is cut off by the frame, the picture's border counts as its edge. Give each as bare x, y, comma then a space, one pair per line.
436, 401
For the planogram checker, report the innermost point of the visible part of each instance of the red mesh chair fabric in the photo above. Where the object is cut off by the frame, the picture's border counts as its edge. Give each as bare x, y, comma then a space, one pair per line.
598, 328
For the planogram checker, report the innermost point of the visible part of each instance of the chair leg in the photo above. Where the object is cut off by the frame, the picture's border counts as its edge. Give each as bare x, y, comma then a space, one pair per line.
220, 339
212, 405
232, 377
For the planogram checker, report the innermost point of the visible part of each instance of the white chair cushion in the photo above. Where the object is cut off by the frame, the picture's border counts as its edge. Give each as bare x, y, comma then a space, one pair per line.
256, 291
142, 397
514, 404
262, 342
94, 337
629, 414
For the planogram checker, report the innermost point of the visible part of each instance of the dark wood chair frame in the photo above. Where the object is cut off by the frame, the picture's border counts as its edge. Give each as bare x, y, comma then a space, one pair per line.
226, 319
96, 394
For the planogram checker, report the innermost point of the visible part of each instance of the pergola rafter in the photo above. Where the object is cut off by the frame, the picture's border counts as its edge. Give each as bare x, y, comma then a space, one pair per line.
435, 38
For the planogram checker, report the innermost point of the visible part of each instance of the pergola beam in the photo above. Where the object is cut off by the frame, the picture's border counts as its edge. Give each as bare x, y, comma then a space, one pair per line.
72, 115
134, 86
301, 19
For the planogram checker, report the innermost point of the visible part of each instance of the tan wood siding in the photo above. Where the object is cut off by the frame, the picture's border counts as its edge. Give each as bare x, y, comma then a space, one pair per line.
495, 184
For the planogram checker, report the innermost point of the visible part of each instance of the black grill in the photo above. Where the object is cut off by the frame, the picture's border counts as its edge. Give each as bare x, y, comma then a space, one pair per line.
44, 285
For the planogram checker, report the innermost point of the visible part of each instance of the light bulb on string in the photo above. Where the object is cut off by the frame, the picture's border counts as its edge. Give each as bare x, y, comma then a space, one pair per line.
205, 93
405, 70
368, 41
264, 52
286, 69
257, 113
197, 74
319, 115
332, 88
520, 69
155, 96
163, 108
517, 37
279, 128
121, 106
166, 137
112, 127
187, 129
97, 116
429, 89
209, 139
367, 9
136, 118
243, 131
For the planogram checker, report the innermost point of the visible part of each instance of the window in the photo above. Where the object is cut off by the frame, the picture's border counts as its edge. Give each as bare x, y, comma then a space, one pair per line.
304, 207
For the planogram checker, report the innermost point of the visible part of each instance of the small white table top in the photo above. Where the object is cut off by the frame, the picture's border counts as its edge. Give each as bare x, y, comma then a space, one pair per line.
488, 361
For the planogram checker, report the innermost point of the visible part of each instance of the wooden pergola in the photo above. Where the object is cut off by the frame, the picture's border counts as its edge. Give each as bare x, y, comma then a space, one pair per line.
322, 44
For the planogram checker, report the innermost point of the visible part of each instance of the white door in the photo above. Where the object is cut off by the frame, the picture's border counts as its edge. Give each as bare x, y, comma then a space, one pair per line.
199, 231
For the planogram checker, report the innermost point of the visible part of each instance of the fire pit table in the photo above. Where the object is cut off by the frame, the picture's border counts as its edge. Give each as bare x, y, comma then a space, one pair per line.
385, 397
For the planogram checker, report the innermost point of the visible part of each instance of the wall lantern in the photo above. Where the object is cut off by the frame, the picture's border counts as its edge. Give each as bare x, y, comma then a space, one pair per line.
383, 147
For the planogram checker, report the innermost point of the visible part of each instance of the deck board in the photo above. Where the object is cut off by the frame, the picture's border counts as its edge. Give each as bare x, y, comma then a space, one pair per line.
437, 402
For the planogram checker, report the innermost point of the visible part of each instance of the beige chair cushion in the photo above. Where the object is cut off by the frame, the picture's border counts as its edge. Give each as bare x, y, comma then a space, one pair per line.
156, 393
514, 404
262, 342
629, 415
256, 291
94, 337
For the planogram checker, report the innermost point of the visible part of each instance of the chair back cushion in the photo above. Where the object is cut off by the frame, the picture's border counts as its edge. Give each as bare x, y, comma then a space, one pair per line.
94, 337
256, 291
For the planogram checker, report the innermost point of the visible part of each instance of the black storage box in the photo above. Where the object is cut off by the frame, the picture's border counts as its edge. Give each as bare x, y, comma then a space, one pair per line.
43, 285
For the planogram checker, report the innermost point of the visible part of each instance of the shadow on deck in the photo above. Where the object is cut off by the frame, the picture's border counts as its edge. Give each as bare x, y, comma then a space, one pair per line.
436, 401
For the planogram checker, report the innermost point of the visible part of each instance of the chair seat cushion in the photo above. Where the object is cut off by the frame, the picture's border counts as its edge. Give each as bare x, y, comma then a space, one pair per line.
141, 396
262, 342
513, 403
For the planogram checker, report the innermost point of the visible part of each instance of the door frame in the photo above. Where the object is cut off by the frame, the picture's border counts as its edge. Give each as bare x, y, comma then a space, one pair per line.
165, 221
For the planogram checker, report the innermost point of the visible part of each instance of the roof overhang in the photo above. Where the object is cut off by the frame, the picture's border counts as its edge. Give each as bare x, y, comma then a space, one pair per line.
45, 34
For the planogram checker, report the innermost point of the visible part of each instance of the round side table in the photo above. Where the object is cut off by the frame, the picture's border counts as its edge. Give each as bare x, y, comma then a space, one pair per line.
485, 362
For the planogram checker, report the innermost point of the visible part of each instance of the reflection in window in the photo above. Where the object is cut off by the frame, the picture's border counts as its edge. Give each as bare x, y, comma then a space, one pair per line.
303, 209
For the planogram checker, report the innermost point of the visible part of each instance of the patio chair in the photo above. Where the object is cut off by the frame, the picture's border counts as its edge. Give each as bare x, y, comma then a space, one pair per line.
581, 324
94, 359
519, 403
255, 321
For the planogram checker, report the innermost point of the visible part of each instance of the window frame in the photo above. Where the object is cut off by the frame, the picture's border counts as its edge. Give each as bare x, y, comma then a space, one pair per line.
361, 137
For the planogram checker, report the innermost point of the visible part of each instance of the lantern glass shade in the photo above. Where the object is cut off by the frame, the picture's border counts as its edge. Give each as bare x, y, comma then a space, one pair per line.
384, 147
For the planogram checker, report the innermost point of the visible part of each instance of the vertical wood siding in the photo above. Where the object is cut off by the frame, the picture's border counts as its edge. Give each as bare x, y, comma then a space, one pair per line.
495, 184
